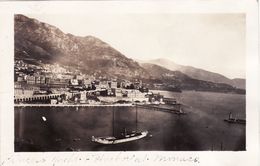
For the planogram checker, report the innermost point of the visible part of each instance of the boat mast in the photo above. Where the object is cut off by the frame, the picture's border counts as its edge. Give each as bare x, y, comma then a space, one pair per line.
230, 115
135, 118
113, 125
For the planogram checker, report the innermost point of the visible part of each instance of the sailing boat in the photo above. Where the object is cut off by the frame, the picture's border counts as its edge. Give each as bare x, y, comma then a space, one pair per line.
234, 120
125, 137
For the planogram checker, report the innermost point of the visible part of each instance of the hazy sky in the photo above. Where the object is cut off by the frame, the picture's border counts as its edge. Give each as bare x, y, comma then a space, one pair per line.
215, 42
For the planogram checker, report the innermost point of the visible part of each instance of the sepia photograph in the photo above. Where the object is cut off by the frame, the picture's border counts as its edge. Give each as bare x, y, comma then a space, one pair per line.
130, 82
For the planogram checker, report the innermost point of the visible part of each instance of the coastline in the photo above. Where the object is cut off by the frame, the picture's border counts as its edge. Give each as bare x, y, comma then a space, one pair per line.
73, 105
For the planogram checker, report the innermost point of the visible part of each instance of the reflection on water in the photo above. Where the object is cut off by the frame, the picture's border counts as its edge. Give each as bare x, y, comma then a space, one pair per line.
69, 128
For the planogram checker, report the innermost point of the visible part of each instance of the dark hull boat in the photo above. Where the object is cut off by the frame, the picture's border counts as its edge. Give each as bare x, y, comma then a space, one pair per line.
240, 121
234, 120
125, 137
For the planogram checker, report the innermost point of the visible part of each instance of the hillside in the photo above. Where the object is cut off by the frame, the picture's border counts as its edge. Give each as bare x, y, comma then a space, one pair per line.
182, 81
199, 74
36, 41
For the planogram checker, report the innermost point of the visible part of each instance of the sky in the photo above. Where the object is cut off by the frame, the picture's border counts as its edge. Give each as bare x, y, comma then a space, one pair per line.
214, 42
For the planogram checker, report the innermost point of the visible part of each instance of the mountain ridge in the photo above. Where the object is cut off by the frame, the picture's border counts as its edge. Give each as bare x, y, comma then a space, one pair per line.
198, 73
183, 81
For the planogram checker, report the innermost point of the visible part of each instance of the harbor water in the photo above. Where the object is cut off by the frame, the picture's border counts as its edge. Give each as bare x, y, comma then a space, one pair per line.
71, 128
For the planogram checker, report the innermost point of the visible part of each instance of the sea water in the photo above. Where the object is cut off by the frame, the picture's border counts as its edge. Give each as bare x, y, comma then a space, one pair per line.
71, 128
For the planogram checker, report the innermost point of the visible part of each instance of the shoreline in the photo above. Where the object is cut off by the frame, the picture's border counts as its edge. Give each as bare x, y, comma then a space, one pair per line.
73, 105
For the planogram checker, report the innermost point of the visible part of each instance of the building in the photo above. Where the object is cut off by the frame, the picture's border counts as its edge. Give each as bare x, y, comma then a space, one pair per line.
112, 84
37, 80
30, 79
155, 98
24, 90
103, 85
87, 83
42, 80
74, 82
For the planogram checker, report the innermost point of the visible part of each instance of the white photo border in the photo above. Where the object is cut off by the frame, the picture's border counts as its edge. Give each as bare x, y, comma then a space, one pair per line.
205, 158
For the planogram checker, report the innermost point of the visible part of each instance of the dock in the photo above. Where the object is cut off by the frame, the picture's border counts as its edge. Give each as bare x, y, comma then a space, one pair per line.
164, 109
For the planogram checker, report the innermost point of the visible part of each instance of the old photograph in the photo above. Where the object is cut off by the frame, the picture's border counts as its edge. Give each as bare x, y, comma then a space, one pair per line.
130, 82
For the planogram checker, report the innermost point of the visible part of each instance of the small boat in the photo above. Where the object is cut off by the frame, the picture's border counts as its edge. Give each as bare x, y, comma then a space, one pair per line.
125, 138
76, 139
234, 120
180, 112
43, 118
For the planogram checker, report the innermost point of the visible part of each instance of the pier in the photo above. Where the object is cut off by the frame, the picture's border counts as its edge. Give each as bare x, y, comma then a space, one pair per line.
164, 109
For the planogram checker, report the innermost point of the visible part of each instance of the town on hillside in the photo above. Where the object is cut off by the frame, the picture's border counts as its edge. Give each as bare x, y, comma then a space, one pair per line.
57, 85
